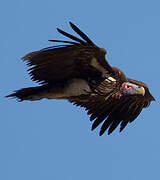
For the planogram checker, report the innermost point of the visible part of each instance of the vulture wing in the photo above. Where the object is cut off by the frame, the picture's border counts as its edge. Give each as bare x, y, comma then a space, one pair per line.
79, 58
112, 111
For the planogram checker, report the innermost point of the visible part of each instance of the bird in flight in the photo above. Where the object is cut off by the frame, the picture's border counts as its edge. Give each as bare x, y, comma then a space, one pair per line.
78, 71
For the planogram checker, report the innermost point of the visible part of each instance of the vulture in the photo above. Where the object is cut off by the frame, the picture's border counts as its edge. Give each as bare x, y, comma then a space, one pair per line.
78, 71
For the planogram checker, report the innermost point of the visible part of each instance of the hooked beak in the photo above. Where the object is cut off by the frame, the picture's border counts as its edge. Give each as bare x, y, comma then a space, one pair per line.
140, 90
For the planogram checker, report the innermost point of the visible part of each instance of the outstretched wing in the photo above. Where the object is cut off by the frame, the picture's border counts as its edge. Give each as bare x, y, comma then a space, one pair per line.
110, 111
79, 58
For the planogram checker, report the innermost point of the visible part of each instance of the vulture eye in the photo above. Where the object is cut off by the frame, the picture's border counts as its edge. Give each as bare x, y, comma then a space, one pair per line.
128, 86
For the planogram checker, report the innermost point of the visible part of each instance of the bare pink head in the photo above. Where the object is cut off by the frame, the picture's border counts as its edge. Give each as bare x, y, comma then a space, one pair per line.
128, 88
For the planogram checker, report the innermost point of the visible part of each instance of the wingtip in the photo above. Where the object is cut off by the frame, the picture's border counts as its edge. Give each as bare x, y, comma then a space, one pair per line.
93, 128
58, 29
121, 129
70, 22
109, 132
73, 26
101, 133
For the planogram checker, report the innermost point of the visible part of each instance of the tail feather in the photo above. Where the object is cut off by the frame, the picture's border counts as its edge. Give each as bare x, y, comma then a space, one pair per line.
31, 93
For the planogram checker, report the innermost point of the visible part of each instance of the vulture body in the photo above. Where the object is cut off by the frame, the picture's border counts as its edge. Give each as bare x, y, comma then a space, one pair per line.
78, 72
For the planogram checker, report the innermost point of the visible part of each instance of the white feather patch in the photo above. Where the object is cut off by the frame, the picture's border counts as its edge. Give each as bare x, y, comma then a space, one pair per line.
111, 79
107, 80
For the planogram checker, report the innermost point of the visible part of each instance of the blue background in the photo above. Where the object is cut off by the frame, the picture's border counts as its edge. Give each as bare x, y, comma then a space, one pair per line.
51, 139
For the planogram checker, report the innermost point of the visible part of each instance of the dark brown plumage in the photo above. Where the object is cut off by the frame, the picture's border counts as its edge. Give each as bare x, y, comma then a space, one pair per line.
78, 71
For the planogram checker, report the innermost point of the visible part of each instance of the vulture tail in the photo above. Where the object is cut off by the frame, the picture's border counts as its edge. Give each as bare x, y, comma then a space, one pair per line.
31, 93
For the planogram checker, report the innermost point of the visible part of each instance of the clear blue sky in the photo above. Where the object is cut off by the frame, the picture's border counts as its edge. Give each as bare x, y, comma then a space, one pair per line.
52, 139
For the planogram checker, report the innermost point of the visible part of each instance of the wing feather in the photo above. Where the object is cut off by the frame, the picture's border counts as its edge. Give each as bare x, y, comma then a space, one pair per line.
62, 41
71, 60
111, 112
79, 32
70, 36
